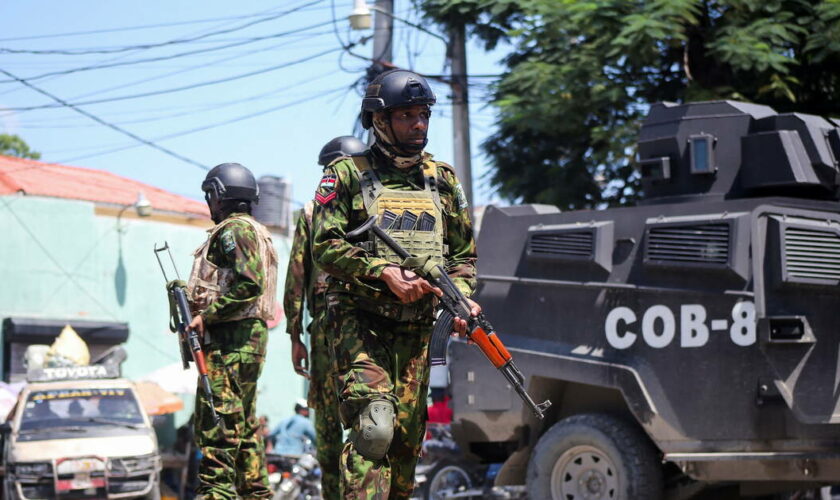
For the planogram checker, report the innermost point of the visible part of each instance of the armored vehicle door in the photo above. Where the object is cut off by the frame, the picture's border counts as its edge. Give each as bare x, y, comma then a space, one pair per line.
796, 270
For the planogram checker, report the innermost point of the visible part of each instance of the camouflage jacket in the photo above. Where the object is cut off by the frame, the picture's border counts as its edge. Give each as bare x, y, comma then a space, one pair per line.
304, 281
236, 247
340, 209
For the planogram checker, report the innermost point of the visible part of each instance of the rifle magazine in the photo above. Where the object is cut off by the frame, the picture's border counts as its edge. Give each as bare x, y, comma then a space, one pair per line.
440, 338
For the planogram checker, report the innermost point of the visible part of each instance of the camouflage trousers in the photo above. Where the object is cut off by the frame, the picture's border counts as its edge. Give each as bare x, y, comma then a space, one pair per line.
380, 359
323, 398
233, 454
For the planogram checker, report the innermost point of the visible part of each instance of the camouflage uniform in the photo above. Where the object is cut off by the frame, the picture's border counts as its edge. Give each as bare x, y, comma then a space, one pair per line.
305, 282
233, 455
381, 345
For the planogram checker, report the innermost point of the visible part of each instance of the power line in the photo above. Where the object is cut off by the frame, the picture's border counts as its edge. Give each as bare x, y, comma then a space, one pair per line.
190, 110
103, 122
209, 126
182, 88
174, 56
132, 28
159, 44
202, 65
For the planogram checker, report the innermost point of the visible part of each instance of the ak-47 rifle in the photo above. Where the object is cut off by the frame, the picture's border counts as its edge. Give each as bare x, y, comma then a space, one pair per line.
180, 320
454, 305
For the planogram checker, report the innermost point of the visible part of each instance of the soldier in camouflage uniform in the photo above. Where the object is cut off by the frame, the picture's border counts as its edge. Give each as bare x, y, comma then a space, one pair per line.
305, 282
381, 313
232, 292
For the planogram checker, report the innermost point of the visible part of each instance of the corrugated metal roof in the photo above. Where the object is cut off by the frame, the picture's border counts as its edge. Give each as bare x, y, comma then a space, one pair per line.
60, 181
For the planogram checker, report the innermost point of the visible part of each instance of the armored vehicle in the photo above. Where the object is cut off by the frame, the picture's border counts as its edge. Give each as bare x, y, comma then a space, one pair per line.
690, 340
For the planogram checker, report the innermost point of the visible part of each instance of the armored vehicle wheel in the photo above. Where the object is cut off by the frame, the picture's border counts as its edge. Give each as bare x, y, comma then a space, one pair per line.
594, 457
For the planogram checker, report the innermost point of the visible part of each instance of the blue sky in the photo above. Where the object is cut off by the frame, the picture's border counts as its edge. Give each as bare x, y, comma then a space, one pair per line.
289, 88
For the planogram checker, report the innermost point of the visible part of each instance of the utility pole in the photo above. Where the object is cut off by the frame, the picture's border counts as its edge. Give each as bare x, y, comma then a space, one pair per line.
383, 31
383, 36
461, 110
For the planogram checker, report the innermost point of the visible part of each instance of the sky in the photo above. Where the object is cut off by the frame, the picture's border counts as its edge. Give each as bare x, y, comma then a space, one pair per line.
264, 84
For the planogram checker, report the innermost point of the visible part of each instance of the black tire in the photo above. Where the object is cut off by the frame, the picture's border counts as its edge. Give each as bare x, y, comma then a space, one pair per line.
445, 475
594, 456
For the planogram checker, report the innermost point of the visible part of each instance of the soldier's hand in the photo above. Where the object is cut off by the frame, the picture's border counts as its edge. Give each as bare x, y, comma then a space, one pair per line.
459, 326
407, 285
300, 359
197, 324
175, 283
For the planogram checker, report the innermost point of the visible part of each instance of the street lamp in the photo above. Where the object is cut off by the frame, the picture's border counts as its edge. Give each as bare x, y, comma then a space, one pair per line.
142, 206
360, 16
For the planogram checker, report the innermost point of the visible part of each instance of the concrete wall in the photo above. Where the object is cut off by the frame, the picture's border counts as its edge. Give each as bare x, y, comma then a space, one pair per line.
60, 260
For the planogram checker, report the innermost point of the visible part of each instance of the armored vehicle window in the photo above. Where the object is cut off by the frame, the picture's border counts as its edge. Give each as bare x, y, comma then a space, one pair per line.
701, 244
702, 154
809, 249
592, 242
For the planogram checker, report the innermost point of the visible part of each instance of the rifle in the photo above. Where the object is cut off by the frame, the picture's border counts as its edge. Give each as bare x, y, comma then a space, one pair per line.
187, 338
454, 305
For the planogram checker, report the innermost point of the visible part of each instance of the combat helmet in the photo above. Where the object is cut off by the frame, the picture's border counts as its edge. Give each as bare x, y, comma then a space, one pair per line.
392, 89
230, 181
344, 145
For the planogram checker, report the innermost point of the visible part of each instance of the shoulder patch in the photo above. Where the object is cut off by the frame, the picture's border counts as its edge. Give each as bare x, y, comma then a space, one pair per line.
228, 241
326, 189
462, 196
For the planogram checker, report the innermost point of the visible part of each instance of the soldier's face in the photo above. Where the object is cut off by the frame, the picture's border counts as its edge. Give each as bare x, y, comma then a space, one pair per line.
410, 125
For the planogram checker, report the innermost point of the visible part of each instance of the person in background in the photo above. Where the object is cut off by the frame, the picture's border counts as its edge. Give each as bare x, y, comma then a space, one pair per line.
293, 434
305, 286
265, 432
440, 412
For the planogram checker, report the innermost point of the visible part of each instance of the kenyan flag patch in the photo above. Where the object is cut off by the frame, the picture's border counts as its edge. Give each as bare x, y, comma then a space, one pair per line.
326, 189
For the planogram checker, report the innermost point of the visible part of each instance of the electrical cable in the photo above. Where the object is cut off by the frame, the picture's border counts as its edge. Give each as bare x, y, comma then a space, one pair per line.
207, 127
109, 125
182, 88
173, 56
160, 44
182, 70
188, 110
133, 28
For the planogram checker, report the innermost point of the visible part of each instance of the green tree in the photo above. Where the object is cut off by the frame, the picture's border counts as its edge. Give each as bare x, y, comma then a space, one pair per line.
581, 75
12, 145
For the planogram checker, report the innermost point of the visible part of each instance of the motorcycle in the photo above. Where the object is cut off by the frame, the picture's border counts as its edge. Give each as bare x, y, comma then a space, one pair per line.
294, 477
441, 471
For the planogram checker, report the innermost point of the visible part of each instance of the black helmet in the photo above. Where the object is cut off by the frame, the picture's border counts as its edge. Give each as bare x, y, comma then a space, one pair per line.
392, 89
344, 145
230, 181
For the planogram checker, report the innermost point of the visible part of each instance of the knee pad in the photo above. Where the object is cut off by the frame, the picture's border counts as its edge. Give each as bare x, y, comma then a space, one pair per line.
376, 430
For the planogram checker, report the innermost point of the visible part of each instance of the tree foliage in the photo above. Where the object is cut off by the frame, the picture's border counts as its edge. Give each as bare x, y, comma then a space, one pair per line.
12, 145
581, 75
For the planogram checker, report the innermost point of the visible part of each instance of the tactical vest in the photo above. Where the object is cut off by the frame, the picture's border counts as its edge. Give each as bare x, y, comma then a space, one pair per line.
316, 283
411, 209
208, 281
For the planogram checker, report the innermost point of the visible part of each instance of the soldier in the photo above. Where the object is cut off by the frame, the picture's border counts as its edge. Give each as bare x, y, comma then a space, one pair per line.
232, 292
380, 313
305, 282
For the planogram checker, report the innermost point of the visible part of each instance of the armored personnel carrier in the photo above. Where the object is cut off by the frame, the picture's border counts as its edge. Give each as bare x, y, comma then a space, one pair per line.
688, 342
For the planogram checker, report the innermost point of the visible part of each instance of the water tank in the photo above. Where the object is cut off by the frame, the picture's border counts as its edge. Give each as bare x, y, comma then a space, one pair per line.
274, 208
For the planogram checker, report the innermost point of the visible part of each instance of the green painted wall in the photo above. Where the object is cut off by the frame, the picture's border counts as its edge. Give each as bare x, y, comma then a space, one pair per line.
60, 260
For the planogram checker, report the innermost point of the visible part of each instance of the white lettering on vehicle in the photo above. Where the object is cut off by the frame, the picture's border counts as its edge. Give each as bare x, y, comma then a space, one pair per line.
659, 326
92, 371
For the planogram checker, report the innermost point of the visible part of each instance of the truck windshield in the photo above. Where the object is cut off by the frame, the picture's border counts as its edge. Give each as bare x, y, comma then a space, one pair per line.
80, 407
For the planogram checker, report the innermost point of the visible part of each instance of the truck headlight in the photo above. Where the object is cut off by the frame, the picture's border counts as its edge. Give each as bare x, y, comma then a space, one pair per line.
33, 469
